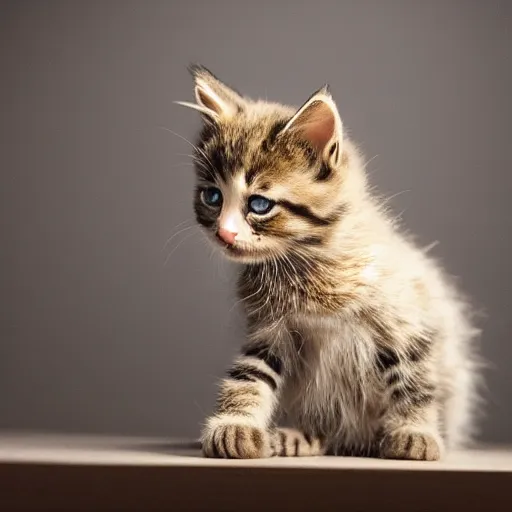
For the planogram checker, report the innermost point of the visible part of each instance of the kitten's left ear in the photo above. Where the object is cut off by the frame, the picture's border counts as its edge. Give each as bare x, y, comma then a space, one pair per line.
214, 99
318, 123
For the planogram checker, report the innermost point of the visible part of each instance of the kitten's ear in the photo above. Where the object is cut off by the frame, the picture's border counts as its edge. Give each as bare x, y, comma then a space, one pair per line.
318, 122
214, 99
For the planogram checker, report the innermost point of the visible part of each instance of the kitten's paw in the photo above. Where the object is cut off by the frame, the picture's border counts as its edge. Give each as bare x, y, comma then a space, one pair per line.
288, 442
235, 441
410, 444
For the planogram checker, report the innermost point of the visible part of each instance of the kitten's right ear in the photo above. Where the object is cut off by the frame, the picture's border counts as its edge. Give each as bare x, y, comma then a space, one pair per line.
214, 99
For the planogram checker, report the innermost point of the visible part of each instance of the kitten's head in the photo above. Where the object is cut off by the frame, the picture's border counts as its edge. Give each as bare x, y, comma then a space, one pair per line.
270, 179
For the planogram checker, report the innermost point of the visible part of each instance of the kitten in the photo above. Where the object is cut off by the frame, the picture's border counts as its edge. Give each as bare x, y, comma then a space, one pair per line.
353, 331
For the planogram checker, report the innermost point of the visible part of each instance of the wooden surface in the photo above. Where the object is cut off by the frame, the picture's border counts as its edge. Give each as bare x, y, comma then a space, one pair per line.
56, 472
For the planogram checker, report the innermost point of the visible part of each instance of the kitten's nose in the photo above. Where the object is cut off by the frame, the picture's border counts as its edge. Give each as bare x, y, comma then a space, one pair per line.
226, 236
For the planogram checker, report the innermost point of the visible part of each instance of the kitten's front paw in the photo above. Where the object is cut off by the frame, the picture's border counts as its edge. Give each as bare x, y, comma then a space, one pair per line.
235, 441
410, 444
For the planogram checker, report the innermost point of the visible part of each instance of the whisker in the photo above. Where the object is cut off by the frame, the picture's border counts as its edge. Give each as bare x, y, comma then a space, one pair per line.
182, 222
177, 233
199, 150
181, 164
189, 235
243, 299
368, 162
386, 200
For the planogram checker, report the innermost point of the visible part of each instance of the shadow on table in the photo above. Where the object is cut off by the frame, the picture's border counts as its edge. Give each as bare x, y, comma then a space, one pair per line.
175, 448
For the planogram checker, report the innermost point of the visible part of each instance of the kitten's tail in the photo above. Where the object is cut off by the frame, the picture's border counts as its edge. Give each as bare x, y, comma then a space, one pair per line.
288, 442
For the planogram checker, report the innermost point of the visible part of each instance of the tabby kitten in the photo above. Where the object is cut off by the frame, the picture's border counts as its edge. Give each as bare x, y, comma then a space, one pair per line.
353, 331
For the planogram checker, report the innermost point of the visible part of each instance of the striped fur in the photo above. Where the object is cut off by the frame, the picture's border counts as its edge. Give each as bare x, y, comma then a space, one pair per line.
354, 332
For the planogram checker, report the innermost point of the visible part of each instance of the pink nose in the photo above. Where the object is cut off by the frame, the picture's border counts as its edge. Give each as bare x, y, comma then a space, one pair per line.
226, 236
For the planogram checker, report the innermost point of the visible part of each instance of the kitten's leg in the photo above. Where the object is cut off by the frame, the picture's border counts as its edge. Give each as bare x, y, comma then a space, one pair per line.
410, 424
245, 407
289, 442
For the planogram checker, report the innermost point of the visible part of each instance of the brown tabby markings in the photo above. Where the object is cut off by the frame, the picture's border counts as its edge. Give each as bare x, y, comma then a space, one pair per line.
410, 445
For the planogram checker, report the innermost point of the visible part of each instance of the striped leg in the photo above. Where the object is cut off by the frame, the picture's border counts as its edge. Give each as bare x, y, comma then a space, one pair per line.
288, 442
410, 425
245, 407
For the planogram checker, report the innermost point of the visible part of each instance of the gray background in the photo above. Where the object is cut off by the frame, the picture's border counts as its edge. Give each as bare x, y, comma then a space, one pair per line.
96, 333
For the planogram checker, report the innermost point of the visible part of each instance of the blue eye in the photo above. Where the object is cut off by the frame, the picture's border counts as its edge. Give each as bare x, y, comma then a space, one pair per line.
212, 196
260, 205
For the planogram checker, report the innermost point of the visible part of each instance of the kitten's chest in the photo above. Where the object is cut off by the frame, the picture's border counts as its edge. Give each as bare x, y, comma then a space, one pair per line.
333, 384
332, 342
